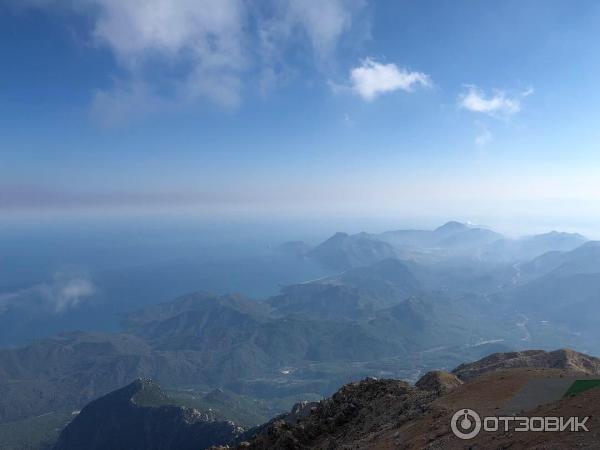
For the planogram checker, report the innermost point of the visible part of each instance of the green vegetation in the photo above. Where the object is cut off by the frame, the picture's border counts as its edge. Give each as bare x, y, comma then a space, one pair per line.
580, 386
33, 433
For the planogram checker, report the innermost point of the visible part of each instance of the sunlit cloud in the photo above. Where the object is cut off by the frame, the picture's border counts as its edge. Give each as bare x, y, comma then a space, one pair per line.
497, 103
372, 79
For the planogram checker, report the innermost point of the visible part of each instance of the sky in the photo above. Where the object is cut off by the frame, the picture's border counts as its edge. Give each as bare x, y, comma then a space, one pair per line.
469, 110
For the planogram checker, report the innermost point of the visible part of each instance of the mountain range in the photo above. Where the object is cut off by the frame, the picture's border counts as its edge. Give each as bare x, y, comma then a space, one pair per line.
449, 242
399, 304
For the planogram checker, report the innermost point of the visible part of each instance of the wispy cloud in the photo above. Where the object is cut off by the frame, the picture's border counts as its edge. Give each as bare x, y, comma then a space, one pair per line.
126, 102
371, 79
314, 25
201, 40
204, 49
66, 291
498, 103
323, 22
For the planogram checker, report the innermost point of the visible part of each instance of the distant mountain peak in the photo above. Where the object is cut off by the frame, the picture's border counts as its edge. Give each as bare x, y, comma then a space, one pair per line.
453, 226
340, 235
343, 251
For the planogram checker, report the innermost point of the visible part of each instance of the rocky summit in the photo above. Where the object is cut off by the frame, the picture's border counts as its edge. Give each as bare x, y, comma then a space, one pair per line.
140, 416
391, 414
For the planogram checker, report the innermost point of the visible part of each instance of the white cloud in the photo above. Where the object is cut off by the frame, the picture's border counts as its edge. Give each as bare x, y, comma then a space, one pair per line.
316, 24
497, 103
202, 41
208, 29
63, 293
371, 79
184, 51
323, 21
69, 293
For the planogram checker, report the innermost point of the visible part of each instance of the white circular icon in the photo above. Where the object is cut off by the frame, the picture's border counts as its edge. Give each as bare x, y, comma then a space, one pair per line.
465, 424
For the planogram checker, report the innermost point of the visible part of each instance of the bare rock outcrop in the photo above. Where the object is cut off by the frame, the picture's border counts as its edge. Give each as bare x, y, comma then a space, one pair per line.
564, 359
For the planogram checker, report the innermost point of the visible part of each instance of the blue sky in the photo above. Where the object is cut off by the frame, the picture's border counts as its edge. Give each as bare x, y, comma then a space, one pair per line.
483, 111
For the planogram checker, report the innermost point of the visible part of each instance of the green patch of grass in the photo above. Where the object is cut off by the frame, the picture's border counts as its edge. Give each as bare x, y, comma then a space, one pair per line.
580, 386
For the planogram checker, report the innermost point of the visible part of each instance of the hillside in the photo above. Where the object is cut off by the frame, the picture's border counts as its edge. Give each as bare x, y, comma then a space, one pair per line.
140, 416
370, 414
563, 359
351, 295
390, 414
343, 251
